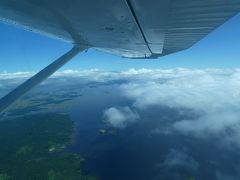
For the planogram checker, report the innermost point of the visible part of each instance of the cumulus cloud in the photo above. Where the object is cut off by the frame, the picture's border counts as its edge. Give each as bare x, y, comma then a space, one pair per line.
120, 117
213, 94
213, 123
194, 89
180, 158
177, 165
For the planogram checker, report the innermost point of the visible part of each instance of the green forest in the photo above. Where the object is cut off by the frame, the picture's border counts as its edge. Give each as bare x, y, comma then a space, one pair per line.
32, 148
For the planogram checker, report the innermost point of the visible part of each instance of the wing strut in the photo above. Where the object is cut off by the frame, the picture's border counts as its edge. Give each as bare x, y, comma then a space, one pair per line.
38, 78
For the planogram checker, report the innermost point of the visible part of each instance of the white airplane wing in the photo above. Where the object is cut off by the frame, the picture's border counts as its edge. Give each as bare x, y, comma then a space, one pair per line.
130, 28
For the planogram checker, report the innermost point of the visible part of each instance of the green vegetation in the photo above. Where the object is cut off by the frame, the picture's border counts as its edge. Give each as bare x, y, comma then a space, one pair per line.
41, 103
24, 150
31, 148
4, 177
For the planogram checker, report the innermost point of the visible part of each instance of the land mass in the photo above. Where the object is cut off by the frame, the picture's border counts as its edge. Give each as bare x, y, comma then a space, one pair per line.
32, 147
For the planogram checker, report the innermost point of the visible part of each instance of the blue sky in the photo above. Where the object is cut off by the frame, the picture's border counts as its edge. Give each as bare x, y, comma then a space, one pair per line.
26, 51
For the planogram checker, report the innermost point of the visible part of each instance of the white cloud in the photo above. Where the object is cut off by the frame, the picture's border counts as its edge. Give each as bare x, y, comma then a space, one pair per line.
177, 158
120, 117
16, 75
213, 94
212, 123
177, 165
194, 89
